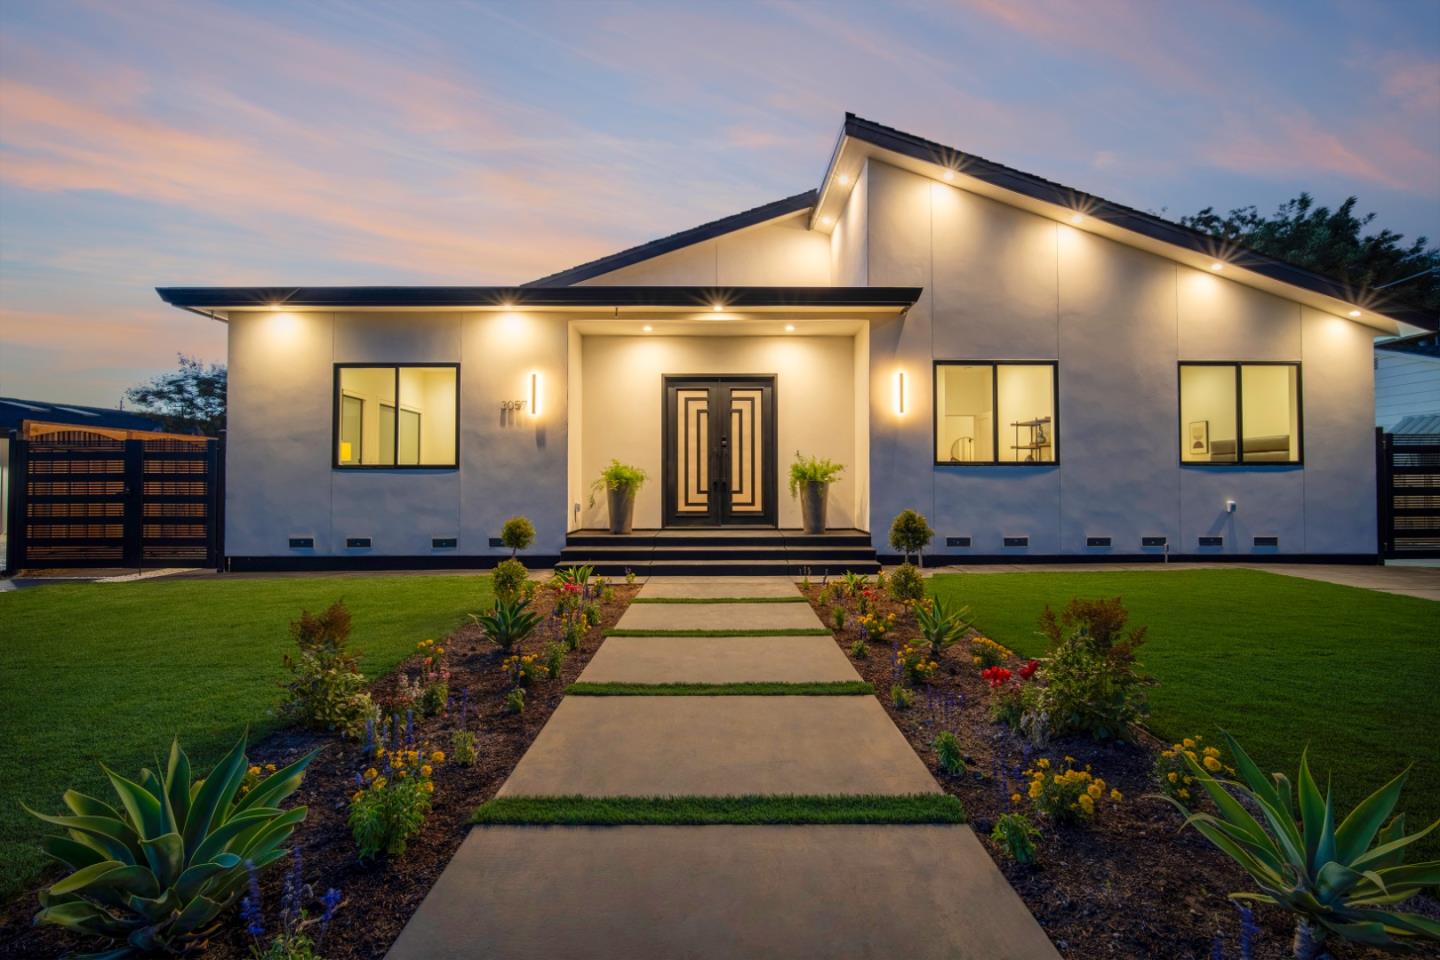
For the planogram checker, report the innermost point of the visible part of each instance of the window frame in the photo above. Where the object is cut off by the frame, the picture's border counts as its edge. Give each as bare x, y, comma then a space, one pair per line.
1240, 460
335, 396
994, 366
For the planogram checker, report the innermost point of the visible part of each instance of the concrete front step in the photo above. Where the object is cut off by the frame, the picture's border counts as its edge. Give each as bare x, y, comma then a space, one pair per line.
744, 617
727, 568
718, 746
718, 660
707, 893
702, 536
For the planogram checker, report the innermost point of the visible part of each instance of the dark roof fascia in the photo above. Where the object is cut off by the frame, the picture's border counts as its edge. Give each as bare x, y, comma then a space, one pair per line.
15, 410
676, 241
1137, 221
529, 297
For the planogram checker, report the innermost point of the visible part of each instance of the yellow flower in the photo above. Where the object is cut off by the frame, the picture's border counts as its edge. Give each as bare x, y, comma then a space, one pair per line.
1188, 743
1093, 791
1014, 798
269, 768
429, 787
1043, 763
1099, 782
1184, 794
379, 784
1036, 788
254, 771
437, 757
425, 770
1069, 760
357, 796
1087, 804
399, 774
1116, 795
1212, 764
1167, 754
371, 774
1190, 755
1211, 751
1172, 776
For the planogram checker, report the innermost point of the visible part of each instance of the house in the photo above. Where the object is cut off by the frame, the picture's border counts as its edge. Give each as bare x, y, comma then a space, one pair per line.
1043, 373
1407, 384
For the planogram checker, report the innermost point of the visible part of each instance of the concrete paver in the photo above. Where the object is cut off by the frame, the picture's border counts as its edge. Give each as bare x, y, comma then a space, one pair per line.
706, 893
719, 616
710, 587
717, 660
719, 746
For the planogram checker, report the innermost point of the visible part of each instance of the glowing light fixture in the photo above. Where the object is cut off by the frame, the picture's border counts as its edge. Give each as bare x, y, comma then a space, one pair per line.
717, 306
949, 174
1354, 314
506, 305
1217, 266
844, 179
647, 328
1077, 218
534, 394
827, 221
789, 328
273, 306
900, 392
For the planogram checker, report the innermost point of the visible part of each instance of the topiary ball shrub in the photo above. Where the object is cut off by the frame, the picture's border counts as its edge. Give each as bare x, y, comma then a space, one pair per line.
509, 579
517, 534
910, 533
906, 584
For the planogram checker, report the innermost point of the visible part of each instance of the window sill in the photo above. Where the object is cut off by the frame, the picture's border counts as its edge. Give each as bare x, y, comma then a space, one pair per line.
370, 467
997, 463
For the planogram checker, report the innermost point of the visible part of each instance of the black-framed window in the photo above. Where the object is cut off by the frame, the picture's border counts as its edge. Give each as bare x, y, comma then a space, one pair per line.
389, 415
1000, 412
1235, 412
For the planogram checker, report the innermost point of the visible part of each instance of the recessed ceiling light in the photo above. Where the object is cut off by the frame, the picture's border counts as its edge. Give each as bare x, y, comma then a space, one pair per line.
826, 221
949, 174
647, 328
844, 179
717, 307
1077, 218
1217, 266
505, 305
789, 328
1355, 314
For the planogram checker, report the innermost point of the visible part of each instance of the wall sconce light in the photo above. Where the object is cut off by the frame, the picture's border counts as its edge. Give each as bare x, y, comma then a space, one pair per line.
534, 394
900, 392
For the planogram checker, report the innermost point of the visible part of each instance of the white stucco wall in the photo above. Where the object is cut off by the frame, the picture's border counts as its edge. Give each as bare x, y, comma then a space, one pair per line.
780, 253
1004, 284
280, 483
814, 391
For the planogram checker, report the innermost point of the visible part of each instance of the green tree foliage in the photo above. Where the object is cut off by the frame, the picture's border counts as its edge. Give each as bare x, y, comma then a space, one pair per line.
1334, 243
189, 400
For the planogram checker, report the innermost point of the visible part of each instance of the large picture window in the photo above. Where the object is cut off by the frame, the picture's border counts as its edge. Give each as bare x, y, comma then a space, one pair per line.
1234, 413
396, 416
995, 413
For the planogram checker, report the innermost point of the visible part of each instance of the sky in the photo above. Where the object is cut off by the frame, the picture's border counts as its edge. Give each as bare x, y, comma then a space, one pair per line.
145, 144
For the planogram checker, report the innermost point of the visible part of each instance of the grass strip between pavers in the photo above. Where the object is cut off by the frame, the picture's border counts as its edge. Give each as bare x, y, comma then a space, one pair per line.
761, 688
795, 599
578, 810
775, 632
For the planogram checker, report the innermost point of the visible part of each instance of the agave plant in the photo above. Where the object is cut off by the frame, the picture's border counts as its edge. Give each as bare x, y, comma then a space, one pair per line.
156, 874
508, 622
1336, 879
941, 625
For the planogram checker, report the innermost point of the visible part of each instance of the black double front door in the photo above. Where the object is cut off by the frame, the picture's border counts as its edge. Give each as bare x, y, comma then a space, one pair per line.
719, 451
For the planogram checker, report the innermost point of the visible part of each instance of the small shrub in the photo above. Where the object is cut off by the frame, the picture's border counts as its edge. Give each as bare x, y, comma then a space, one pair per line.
948, 755
517, 534
523, 669
986, 653
1091, 685
1011, 694
1172, 772
876, 626
914, 660
574, 635
1069, 795
515, 700
900, 697
910, 533
326, 689
854, 583
508, 622
837, 617
391, 803
859, 649
126, 880
629, 576
940, 624
906, 584
434, 679
812, 470
607, 594
463, 748
509, 579
826, 596
592, 614
1015, 835
554, 659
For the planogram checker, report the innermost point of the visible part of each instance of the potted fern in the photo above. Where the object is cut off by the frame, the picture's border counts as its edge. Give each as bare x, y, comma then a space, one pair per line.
810, 479
620, 481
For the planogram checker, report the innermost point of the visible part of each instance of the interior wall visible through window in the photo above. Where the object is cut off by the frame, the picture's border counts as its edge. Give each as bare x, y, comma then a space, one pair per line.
1239, 413
397, 416
995, 413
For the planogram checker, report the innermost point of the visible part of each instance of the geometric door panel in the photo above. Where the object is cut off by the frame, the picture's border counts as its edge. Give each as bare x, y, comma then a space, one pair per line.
719, 451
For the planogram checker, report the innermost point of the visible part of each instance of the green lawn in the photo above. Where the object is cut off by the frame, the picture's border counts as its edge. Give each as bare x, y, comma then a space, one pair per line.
94, 673
1278, 661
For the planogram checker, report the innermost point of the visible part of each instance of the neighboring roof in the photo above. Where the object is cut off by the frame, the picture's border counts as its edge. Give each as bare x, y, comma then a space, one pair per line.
1127, 218
1418, 423
13, 412
1420, 344
534, 297
685, 238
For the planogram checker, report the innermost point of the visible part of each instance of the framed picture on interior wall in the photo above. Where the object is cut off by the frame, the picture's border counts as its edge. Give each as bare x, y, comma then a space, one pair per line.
1199, 436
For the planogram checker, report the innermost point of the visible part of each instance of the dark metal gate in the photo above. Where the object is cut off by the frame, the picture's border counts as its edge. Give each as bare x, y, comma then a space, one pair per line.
113, 498
1407, 478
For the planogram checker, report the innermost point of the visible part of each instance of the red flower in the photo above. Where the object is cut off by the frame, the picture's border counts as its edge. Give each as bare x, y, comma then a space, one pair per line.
1028, 671
997, 677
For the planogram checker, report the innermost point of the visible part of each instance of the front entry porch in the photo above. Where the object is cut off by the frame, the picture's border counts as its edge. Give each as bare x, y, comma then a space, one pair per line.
721, 552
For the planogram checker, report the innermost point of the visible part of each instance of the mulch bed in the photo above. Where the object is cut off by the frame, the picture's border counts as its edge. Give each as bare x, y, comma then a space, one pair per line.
1129, 884
380, 896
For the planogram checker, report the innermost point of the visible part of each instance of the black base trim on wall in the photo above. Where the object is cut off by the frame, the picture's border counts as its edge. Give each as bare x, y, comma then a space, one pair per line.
1266, 556
372, 562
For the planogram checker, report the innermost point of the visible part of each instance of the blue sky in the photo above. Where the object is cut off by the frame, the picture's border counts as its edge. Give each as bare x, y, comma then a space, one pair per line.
144, 144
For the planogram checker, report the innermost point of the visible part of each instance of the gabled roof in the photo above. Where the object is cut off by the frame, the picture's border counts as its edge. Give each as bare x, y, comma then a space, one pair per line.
14, 412
685, 238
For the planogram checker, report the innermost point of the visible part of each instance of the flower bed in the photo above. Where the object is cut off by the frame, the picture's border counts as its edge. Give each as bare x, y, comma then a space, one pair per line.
1116, 876
379, 895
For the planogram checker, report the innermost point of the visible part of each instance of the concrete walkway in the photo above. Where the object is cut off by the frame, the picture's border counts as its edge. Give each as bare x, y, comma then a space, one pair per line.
525, 893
